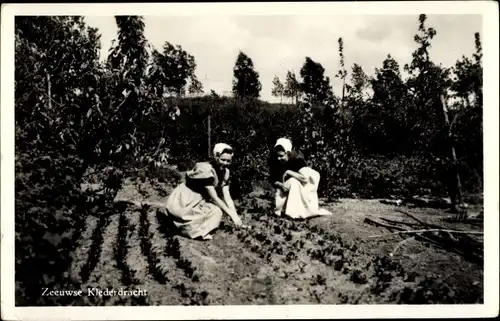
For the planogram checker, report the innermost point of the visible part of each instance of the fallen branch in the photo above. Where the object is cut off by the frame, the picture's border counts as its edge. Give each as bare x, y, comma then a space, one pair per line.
467, 248
429, 230
399, 222
421, 222
473, 253
440, 245
370, 221
451, 237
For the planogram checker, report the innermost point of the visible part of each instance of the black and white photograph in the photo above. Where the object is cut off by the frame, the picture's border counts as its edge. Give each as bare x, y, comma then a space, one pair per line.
249, 160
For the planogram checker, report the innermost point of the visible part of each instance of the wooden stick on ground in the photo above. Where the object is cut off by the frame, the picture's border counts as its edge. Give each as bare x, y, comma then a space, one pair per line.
440, 227
399, 222
429, 230
438, 244
416, 234
416, 219
370, 221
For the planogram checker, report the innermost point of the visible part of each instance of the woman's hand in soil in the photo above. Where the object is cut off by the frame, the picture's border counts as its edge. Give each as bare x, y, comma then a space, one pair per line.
237, 221
243, 226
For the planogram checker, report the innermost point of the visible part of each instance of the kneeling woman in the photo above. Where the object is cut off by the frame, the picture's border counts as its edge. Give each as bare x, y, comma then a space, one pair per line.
196, 205
296, 184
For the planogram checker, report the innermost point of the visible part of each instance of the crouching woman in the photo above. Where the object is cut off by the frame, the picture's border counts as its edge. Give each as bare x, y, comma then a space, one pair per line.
296, 184
197, 205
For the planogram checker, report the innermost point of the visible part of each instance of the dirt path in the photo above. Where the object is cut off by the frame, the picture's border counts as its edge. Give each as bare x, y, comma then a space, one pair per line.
327, 260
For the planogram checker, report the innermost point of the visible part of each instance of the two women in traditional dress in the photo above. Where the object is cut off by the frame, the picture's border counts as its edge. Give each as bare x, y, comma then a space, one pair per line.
296, 184
197, 205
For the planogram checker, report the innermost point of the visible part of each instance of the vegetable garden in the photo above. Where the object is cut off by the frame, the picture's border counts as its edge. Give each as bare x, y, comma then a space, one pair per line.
99, 145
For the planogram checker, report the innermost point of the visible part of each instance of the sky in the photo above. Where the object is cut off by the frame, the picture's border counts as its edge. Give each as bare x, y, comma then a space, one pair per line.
282, 42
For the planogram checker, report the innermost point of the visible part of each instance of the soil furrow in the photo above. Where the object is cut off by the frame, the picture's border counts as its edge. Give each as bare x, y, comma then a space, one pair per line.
138, 264
121, 251
106, 274
80, 256
150, 249
95, 249
181, 271
134, 259
161, 265
225, 276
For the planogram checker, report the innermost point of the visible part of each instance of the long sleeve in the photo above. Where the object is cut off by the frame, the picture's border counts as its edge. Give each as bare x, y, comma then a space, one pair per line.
297, 162
274, 171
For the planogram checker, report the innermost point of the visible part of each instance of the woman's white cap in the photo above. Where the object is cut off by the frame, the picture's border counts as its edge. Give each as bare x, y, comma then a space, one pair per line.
285, 143
219, 147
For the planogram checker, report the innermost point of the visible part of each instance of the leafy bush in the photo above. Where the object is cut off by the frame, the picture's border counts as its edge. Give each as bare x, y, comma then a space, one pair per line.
72, 114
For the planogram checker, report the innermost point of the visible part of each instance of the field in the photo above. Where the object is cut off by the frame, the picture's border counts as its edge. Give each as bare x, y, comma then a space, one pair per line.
328, 260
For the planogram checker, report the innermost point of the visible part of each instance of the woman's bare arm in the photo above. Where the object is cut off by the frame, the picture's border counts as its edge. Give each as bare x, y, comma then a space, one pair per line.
224, 207
296, 175
278, 184
227, 197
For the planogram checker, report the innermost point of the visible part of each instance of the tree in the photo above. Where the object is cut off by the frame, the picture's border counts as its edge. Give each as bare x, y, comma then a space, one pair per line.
359, 80
124, 89
246, 81
315, 86
130, 57
195, 86
387, 84
338, 130
429, 84
174, 69
156, 76
319, 99
60, 53
385, 118
467, 121
278, 88
214, 94
342, 73
468, 76
426, 82
356, 91
478, 84
292, 86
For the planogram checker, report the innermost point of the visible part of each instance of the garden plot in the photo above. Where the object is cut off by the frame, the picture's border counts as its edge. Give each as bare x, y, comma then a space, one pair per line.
352, 257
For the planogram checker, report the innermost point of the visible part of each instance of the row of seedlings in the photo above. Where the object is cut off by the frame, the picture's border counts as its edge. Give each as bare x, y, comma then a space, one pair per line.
94, 251
81, 255
152, 246
105, 275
